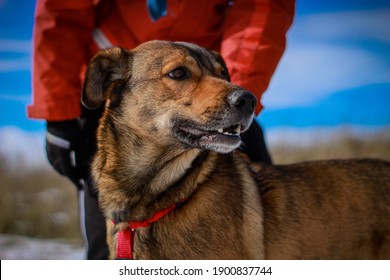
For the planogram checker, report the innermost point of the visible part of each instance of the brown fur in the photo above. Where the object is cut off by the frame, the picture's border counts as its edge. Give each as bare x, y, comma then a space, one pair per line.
234, 209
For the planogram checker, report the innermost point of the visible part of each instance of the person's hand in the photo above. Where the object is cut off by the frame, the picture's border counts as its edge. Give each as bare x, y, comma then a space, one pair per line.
64, 149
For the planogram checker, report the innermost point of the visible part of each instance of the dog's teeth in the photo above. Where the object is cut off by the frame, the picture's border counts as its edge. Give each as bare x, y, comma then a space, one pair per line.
235, 131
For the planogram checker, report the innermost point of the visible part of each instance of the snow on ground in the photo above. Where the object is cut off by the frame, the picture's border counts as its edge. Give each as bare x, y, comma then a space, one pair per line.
13, 247
304, 137
26, 150
22, 150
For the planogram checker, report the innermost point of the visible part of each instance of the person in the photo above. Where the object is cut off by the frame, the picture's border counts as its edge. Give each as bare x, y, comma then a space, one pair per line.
250, 35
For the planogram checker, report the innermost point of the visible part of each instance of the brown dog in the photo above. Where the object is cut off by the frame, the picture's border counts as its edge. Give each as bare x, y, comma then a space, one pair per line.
167, 141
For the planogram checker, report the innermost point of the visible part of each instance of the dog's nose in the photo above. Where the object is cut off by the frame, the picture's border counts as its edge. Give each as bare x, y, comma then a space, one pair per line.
243, 100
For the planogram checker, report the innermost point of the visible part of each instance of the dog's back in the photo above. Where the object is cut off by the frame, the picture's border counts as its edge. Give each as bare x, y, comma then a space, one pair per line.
326, 209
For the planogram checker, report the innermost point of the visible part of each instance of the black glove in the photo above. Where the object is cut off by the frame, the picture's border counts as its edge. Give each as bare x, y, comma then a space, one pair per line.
64, 149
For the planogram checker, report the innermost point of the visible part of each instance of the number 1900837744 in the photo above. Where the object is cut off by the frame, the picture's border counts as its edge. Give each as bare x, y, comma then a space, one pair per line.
244, 270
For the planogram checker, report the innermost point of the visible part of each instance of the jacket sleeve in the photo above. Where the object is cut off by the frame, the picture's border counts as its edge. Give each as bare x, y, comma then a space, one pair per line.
254, 41
61, 47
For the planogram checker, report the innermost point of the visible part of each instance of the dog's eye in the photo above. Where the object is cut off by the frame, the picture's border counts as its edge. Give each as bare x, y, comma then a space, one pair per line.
179, 73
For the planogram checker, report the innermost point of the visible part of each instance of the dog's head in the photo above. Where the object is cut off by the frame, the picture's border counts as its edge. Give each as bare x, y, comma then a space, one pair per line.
170, 92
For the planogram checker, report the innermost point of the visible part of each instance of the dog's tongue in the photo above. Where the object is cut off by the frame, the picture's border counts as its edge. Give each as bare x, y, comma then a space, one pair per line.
220, 139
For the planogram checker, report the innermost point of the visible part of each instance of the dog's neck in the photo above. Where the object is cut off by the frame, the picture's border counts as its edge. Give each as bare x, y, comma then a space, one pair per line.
160, 170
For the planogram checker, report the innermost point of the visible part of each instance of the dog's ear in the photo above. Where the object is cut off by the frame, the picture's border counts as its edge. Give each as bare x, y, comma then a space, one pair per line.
218, 57
108, 70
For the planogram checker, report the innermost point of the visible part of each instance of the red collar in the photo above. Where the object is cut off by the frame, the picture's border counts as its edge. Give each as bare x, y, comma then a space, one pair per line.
125, 238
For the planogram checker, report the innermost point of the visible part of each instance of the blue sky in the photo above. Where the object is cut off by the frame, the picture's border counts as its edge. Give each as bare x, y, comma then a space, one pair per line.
336, 68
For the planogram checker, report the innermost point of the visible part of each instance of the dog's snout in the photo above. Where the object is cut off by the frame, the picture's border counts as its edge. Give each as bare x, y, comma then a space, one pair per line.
243, 100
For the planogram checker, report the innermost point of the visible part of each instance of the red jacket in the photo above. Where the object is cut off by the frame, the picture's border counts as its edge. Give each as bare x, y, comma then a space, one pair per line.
249, 34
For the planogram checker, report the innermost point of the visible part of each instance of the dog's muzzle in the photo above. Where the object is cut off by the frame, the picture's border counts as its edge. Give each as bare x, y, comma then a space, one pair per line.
222, 132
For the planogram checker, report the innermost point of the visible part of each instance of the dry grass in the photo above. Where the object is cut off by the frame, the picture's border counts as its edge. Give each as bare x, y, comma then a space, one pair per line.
38, 203
43, 204
339, 148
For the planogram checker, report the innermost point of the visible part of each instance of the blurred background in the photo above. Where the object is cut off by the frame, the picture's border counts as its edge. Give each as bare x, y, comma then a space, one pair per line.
329, 98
